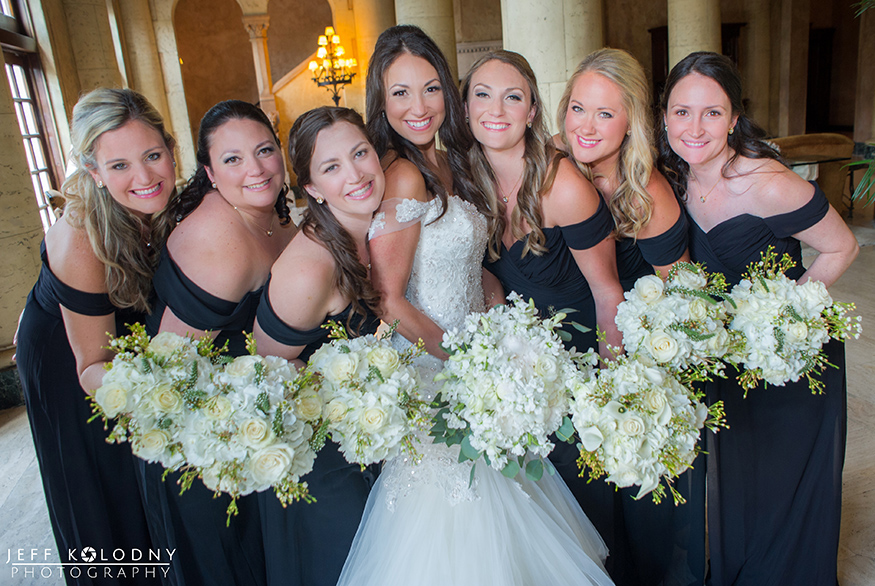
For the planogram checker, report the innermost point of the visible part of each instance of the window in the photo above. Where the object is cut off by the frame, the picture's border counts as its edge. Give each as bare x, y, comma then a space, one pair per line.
21, 67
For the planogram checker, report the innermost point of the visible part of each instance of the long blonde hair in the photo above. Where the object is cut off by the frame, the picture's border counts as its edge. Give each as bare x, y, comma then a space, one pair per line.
630, 204
538, 174
116, 234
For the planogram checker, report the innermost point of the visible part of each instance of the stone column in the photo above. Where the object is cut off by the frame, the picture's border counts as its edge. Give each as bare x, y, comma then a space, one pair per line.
756, 55
554, 36
864, 110
693, 25
20, 226
435, 17
372, 17
144, 65
256, 25
92, 44
789, 85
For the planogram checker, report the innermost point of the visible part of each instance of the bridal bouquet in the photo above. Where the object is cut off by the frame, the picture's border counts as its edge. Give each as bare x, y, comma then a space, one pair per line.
150, 389
680, 324
368, 396
506, 387
784, 325
638, 425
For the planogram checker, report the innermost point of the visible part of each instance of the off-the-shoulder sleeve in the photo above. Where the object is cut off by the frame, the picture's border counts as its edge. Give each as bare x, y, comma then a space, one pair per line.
196, 307
591, 231
49, 286
785, 225
666, 248
397, 214
282, 332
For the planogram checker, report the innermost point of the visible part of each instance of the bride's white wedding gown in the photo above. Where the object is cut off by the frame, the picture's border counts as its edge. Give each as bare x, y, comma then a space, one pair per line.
423, 523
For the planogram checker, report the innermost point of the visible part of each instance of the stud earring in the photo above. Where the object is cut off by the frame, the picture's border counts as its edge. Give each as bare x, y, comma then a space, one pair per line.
731, 130
214, 185
529, 124
174, 164
319, 200
629, 132
467, 120
666, 127
100, 184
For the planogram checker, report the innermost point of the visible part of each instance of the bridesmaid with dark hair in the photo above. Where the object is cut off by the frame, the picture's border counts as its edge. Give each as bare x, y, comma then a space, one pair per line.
322, 275
98, 261
774, 477
234, 224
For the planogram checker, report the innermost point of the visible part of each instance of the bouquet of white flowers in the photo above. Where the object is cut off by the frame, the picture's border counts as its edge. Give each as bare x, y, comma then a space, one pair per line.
638, 425
150, 389
784, 325
369, 398
235, 423
506, 387
680, 324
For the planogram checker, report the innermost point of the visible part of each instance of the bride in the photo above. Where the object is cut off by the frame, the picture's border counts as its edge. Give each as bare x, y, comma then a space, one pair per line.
426, 523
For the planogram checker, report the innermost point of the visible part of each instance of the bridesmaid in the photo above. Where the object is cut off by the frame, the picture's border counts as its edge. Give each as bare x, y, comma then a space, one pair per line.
550, 236
774, 478
322, 275
98, 261
605, 119
234, 225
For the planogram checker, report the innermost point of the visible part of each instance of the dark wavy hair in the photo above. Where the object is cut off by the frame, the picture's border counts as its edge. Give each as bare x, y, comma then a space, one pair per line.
318, 223
199, 184
747, 136
455, 136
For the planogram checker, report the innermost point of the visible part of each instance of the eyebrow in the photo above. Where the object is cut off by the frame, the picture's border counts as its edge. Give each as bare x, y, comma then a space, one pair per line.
704, 108
334, 159
121, 160
510, 89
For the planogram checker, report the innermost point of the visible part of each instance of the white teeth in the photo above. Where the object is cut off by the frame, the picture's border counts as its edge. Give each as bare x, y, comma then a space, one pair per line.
258, 185
586, 142
418, 123
494, 126
360, 191
149, 191
694, 144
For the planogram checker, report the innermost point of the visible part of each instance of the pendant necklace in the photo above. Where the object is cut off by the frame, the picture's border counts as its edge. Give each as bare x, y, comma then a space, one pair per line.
702, 198
269, 231
514, 188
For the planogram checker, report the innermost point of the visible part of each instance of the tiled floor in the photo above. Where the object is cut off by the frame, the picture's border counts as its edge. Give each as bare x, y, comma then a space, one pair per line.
24, 520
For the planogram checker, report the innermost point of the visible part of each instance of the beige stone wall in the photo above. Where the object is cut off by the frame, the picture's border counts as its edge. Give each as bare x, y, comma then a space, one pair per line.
477, 20
626, 25
20, 227
91, 39
294, 28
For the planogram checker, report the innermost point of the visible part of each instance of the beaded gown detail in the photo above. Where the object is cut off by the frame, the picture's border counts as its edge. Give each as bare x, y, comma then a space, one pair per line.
425, 523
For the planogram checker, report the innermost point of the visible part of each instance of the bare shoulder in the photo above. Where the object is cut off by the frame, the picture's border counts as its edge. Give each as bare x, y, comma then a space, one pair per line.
72, 258
571, 199
771, 188
661, 192
404, 181
302, 282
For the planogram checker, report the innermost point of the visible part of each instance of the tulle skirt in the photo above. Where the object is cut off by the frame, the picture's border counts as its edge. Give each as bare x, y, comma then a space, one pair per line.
427, 524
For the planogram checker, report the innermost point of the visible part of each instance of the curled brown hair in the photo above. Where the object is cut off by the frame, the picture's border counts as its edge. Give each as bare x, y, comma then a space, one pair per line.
319, 224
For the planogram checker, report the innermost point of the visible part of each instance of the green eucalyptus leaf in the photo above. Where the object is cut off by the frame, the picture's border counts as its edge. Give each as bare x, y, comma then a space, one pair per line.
511, 470
535, 470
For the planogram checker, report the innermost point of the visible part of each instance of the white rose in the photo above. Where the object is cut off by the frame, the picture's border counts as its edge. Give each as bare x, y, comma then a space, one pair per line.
372, 419
113, 399
662, 346
689, 279
211, 479
649, 288
655, 401
217, 408
385, 359
255, 433
698, 310
546, 367
336, 410
631, 425
342, 366
165, 344
270, 465
796, 332
701, 415
310, 406
165, 399
243, 366
151, 445
716, 344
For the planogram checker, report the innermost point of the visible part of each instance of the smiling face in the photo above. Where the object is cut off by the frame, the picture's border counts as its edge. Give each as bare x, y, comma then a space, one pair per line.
499, 105
345, 171
135, 165
415, 105
698, 117
596, 121
246, 164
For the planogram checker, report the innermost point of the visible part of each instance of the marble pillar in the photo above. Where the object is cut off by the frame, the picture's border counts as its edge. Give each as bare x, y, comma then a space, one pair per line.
756, 58
864, 109
435, 17
92, 42
693, 25
372, 17
789, 87
256, 25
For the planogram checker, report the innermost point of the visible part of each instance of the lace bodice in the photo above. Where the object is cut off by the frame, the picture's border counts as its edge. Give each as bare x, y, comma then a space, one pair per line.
445, 284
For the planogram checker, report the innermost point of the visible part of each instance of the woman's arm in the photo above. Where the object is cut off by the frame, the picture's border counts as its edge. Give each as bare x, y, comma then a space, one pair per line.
392, 257
493, 292
664, 215
572, 200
